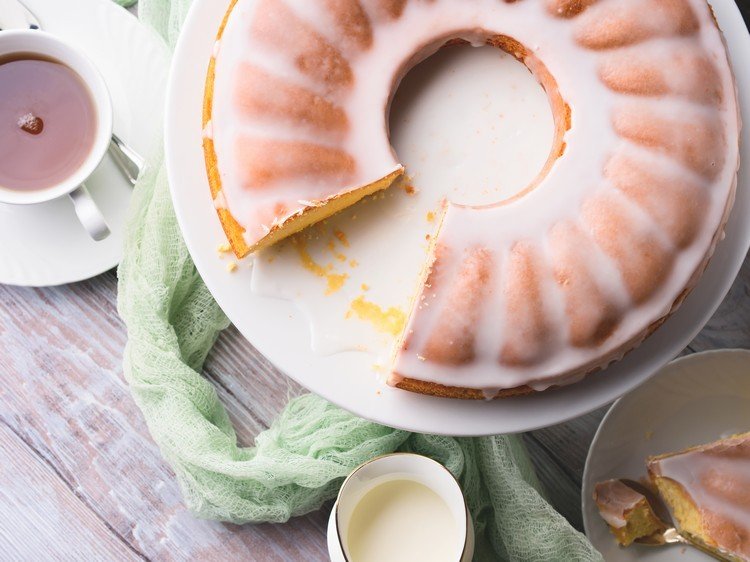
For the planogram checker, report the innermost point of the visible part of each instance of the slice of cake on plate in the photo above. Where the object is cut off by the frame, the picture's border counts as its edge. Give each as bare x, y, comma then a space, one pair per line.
707, 489
626, 511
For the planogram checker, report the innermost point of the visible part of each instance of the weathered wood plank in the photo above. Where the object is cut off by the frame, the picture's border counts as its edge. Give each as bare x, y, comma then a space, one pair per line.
561, 487
256, 387
42, 518
559, 454
60, 350
730, 326
569, 442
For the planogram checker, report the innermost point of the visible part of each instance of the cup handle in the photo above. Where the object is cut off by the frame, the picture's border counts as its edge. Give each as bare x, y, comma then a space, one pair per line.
89, 214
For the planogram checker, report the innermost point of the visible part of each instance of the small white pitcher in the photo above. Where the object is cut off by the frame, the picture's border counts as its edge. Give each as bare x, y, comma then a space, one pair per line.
398, 466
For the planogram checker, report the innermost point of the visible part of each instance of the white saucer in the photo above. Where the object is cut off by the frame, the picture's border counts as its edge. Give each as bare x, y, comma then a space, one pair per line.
693, 400
281, 331
45, 244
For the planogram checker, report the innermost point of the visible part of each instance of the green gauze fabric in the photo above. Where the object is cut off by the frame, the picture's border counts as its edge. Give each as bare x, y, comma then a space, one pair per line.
297, 464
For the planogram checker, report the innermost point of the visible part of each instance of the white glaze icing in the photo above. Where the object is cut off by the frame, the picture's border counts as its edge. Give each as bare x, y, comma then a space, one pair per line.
208, 130
614, 500
220, 202
575, 178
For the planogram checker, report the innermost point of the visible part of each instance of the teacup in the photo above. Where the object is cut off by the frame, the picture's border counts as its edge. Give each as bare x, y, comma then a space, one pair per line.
38, 45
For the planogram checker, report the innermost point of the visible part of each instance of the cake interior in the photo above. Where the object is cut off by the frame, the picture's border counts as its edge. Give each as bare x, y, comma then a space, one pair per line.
316, 213
641, 522
627, 512
685, 513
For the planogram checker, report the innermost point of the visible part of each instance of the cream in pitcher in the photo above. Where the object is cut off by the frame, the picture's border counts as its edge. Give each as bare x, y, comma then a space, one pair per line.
400, 508
402, 520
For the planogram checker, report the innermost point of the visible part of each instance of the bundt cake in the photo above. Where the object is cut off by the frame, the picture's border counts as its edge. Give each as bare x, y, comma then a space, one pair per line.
627, 512
707, 489
534, 291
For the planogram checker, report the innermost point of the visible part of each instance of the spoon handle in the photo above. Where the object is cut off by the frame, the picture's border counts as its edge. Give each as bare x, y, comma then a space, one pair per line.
711, 553
686, 540
129, 161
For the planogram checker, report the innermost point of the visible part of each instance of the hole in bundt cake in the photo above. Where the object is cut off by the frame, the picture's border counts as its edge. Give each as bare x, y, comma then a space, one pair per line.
501, 134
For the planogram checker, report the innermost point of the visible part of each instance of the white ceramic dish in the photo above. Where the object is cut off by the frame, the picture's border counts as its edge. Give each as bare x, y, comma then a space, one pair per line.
399, 466
693, 400
44, 244
281, 330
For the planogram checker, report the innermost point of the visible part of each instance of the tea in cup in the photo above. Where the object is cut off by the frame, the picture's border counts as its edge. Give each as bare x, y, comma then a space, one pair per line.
55, 124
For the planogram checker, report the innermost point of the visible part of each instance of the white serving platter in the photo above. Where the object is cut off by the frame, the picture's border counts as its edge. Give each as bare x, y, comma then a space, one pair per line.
303, 336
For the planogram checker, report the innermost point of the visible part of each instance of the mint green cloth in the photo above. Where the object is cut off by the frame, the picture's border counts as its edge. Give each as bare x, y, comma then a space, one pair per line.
299, 463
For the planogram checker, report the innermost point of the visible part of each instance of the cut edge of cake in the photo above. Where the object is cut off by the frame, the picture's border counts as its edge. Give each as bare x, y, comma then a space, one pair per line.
298, 221
626, 511
684, 509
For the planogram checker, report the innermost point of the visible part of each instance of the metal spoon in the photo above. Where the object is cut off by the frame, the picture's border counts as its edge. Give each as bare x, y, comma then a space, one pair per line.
670, 535
14, 14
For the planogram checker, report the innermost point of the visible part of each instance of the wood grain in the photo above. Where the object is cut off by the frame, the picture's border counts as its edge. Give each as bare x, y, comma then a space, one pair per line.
65, 399
60, 525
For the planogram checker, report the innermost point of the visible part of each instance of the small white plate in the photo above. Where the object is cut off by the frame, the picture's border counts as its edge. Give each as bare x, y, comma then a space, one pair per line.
282, 331
693, 400
45, 244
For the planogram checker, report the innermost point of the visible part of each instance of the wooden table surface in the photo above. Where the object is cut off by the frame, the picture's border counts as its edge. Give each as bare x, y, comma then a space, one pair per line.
80, 478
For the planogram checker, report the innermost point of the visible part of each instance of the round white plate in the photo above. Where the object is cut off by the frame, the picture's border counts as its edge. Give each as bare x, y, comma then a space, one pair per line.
45, 244
281, 330
693, 400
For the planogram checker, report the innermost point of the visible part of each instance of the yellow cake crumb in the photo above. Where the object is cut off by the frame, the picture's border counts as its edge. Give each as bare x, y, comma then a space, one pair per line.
408, 188
334, 281
232, 267
353, 263
365, 287
342, 237
391, 321
331, 245
430, 216
224, 248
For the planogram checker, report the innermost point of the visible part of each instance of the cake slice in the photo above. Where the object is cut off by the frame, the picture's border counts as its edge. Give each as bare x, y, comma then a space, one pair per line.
626, 511
707, 489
